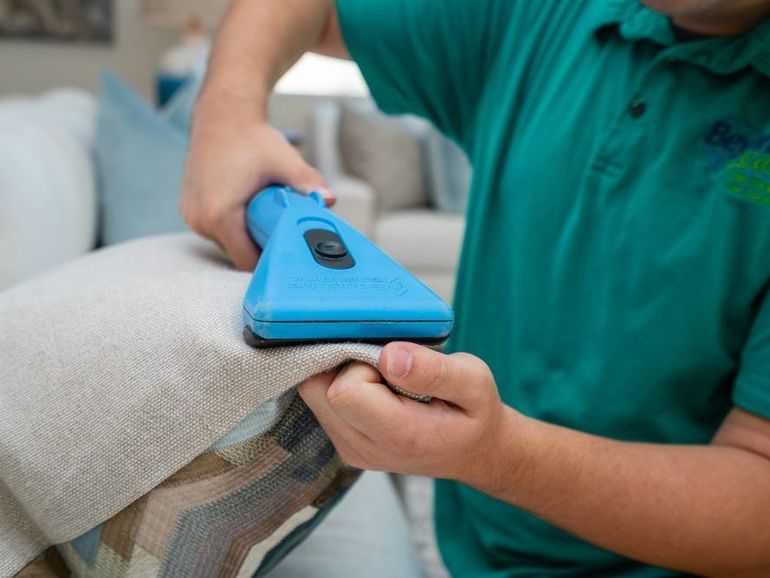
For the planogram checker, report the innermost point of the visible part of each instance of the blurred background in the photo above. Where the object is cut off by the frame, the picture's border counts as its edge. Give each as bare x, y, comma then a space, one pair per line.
96, 101
69, 42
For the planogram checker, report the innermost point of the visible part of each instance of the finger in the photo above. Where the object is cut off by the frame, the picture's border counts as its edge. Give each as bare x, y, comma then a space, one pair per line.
352, 446
292, 170
231, 233
458, 379
358, 370
368, 406
314, 393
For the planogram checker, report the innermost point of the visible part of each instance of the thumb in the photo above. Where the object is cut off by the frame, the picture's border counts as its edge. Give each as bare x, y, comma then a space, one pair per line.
458, 379
292, 170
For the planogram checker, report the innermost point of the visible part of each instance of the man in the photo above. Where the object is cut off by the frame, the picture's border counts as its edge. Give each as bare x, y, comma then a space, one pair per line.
613, 274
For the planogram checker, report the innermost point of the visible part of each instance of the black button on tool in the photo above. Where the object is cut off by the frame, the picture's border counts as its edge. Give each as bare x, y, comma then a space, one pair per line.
328, 249
331, 249
637, 109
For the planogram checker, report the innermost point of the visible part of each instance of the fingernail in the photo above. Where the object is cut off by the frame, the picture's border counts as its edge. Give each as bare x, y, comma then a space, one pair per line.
400, 362
327, 196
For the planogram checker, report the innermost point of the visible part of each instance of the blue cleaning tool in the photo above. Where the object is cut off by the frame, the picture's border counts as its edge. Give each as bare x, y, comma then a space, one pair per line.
320, 280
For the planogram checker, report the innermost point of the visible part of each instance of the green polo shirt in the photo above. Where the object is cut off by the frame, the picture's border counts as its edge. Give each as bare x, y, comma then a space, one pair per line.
617, 252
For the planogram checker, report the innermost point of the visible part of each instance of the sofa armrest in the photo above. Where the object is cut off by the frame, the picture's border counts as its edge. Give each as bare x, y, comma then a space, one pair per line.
356, 201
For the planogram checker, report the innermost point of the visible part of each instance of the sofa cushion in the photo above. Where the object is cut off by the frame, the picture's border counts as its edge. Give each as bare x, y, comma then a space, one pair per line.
47, 189
387, 153
422, 240
141, 155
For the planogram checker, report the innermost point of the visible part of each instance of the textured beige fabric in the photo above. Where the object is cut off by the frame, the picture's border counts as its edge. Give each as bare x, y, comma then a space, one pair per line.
117, 370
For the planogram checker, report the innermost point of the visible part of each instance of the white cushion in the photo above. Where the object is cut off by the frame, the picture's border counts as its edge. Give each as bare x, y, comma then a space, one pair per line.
422, 239
47, 184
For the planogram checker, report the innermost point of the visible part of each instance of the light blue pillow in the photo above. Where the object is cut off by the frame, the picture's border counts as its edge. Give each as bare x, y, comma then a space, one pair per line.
140, 156
178, 112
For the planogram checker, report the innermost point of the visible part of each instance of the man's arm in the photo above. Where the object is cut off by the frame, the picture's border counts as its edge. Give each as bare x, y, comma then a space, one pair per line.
697, 509
233, 150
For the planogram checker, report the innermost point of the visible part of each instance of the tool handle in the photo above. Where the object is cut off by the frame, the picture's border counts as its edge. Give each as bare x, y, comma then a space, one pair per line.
267, 207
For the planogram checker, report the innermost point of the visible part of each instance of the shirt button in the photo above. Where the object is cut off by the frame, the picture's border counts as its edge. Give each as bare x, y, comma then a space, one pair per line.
637, 109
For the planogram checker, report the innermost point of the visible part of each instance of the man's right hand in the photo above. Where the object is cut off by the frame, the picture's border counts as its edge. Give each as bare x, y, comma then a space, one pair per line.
234, 154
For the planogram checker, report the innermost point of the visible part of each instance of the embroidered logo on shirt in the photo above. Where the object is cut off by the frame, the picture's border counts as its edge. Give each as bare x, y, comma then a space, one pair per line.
749, 176
742, 154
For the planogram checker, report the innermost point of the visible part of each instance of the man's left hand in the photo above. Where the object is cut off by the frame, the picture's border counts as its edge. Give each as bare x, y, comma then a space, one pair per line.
454, 436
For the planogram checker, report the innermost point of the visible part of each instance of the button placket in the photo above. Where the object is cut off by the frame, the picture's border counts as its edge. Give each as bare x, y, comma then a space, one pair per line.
637, 107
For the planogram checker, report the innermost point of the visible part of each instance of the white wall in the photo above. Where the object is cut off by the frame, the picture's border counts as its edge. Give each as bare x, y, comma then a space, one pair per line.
31, 67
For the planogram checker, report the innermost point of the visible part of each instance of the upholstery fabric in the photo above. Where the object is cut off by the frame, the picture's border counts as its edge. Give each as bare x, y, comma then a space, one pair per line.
386, 153
233, 511
116, 371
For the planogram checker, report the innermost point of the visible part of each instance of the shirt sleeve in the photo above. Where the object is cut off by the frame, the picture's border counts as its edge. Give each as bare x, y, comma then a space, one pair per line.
428, 57
752, 385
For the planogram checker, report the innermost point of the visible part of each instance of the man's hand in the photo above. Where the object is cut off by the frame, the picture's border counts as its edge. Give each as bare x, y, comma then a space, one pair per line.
454, 436
233, 154
700, 509
233, 151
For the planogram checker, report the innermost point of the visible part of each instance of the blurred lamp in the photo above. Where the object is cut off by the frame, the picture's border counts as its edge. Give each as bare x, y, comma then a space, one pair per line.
321, 75
195, 18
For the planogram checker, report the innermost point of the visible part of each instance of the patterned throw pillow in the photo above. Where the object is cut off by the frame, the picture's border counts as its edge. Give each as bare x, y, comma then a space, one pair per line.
235, 510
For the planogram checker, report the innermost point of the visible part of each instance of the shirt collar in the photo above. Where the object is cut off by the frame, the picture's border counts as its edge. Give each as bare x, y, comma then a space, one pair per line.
721, 55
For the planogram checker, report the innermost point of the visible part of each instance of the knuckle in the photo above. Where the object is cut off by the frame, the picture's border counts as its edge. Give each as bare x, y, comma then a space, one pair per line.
475, 396
479, 378
212, 215
475, 364
436, 372
341, 396
360, 371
